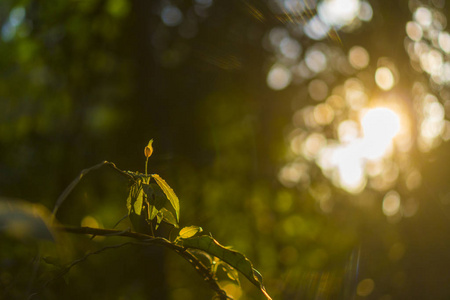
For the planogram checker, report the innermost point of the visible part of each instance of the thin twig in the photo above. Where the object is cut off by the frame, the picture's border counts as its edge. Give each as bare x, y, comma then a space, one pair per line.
121, 219
66, 269
77, 261
72, 185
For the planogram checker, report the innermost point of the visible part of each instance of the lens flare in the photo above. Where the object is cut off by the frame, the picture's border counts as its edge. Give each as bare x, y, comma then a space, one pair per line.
379, 125
361, 150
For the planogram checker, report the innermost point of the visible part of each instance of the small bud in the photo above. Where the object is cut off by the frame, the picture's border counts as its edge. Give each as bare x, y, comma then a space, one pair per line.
149, 149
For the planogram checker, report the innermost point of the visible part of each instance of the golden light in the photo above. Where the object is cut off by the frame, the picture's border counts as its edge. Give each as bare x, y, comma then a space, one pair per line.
444, 41
355, 94
348, 131
318, 89
384, 78
313, 144
290, 48
414, 31
433, 122
90, 221
323, 114
350, 167
413, 180
315, 60
279, 77
338, 12
391, 203
379, 125
423, 16
356, 140
358, 57
365, 287
294, 173
362, 150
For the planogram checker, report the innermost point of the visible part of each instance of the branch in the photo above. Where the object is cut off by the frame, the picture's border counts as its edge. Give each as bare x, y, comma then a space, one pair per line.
146, 240
72, 185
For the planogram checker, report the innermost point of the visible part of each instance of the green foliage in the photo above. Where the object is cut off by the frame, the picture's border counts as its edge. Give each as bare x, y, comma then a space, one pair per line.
234, 258
147, 201
169, 193
135, 205
151, 201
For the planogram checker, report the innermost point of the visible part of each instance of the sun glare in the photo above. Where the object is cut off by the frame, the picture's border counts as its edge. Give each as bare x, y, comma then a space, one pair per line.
379, 125
364, 144
355, 139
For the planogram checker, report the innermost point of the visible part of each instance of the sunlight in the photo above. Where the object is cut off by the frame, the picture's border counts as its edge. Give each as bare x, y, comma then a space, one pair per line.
391, 203
279, 77
379, 125
350, 167
356, 140
358, 57
363, 146
338, 12
384, 78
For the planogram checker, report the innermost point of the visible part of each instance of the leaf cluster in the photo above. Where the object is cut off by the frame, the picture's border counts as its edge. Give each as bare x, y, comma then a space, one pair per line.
151, 198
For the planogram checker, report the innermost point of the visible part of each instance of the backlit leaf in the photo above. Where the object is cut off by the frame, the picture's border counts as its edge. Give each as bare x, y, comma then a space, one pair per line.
152, 212
159, 218
156, 196
135, 198
135, 204
234, 258
169, 193
168, 217
189, 231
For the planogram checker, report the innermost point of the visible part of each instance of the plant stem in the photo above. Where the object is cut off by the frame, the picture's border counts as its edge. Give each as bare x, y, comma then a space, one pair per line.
146, 163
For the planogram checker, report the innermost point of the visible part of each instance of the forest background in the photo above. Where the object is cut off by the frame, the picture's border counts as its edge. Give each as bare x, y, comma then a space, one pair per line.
260, 114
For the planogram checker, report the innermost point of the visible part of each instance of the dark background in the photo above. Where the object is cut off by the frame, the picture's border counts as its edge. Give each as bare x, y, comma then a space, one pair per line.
87, 81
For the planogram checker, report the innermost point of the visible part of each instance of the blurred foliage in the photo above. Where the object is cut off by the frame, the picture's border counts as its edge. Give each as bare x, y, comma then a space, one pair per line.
87, 81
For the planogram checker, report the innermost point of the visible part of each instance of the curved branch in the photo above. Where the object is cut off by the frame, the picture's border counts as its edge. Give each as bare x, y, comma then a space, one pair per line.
72, 185
149, 240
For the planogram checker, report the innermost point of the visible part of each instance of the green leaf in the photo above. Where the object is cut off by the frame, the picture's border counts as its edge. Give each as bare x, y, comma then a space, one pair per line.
135, 205
234, 258
156, 196
219, 265
159, 218
135, 199
169, 193
168, 217
152, 213
189, 231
